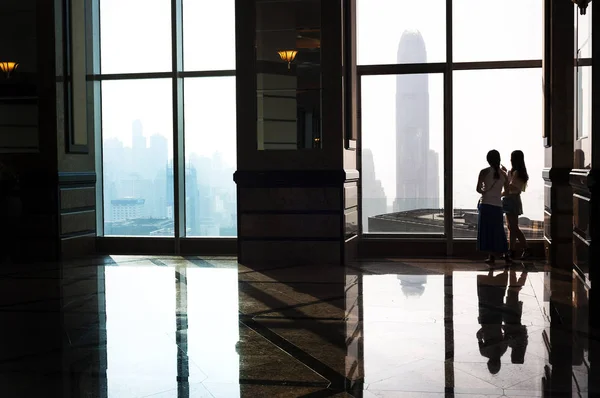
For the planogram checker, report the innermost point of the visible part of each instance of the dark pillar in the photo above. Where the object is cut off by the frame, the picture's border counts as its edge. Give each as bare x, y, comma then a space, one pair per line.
558, 86
297, 174
297, 181
593, 181
44, 135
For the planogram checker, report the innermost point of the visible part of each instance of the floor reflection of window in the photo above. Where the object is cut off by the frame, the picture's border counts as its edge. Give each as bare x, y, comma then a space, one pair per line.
212, 297
404, 332
140, 322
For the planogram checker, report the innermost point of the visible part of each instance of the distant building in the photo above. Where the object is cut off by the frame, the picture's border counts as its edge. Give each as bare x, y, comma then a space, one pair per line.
374, 200
417, 165
431, 221
192, 198
141, 227
127, 209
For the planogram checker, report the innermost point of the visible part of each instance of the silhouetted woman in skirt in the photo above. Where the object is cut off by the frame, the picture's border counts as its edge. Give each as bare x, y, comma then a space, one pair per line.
491, 237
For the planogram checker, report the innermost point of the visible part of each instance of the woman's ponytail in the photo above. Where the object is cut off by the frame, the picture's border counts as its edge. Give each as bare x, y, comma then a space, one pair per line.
493, 158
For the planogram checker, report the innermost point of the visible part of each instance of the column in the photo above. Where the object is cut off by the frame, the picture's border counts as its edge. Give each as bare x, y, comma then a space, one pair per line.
558, 134
297, 175
593, 181
46, 151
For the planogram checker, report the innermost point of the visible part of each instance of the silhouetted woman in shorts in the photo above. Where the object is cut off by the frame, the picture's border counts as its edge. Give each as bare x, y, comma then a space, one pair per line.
512, 204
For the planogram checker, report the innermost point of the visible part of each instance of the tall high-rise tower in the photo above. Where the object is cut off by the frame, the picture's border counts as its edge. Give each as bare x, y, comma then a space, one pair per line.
417, 175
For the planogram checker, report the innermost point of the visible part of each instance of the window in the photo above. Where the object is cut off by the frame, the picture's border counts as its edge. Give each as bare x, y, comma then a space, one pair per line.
497, 109
140, 105
135, 36
583, 141
402, 153
208, 37
137, 136
497, 30
210, 156
388, 31
487, 106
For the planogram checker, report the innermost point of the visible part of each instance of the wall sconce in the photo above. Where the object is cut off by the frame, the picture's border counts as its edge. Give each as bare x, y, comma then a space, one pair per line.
582, 4
8, 68
288, 56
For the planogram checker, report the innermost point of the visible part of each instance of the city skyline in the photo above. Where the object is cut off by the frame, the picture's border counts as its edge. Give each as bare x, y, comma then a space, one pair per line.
138, 194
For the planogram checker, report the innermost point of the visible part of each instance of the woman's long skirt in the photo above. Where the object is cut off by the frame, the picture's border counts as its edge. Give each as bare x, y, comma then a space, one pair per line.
491, 236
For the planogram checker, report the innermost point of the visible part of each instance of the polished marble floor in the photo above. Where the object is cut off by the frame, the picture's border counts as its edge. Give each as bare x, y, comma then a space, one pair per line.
207, 327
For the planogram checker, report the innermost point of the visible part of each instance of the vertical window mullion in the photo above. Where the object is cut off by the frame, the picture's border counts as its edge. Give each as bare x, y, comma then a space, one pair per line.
178, 147
95, 90
448, 132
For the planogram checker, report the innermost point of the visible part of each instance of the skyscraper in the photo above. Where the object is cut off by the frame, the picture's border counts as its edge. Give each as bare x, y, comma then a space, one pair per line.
417, 166
374, 201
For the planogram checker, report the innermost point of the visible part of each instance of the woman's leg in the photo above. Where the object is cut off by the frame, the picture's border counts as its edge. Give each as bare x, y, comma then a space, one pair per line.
513, 226
521, 237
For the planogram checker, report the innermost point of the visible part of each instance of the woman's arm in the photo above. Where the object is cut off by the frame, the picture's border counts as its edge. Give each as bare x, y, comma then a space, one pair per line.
506, 184
515, 184
479, 188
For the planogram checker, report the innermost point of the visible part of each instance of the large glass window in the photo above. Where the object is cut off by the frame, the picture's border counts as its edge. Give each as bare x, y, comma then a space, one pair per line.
402, 153
210, 156
135, 36
497, 30
400, 32
476, 99
497, 109
137, 137
140, 105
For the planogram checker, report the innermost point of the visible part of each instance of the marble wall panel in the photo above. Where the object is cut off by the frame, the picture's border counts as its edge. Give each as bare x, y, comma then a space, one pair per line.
290, 225
288, 199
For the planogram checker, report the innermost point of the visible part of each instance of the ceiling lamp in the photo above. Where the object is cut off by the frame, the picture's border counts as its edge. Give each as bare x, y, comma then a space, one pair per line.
8, 68
582, 4
288, 56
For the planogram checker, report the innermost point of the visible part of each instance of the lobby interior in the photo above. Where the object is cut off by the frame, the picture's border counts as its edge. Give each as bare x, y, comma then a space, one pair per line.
332, 252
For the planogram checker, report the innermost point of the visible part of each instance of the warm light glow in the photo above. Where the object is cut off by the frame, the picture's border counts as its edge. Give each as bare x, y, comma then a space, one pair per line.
8, 67
288, 56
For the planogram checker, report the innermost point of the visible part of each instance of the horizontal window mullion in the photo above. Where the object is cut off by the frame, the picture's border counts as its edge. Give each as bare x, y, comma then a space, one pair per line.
534, 63
159, 75
399, 69
209, 73
131, 76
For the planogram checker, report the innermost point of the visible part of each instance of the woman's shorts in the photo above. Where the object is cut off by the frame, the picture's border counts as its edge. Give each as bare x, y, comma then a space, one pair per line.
511, 204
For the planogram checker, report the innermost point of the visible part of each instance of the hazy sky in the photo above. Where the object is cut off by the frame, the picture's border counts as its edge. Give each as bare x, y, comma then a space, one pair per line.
499, 109
209, 40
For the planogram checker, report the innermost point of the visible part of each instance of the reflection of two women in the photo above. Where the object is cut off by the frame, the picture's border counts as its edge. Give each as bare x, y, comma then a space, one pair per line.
500, 314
